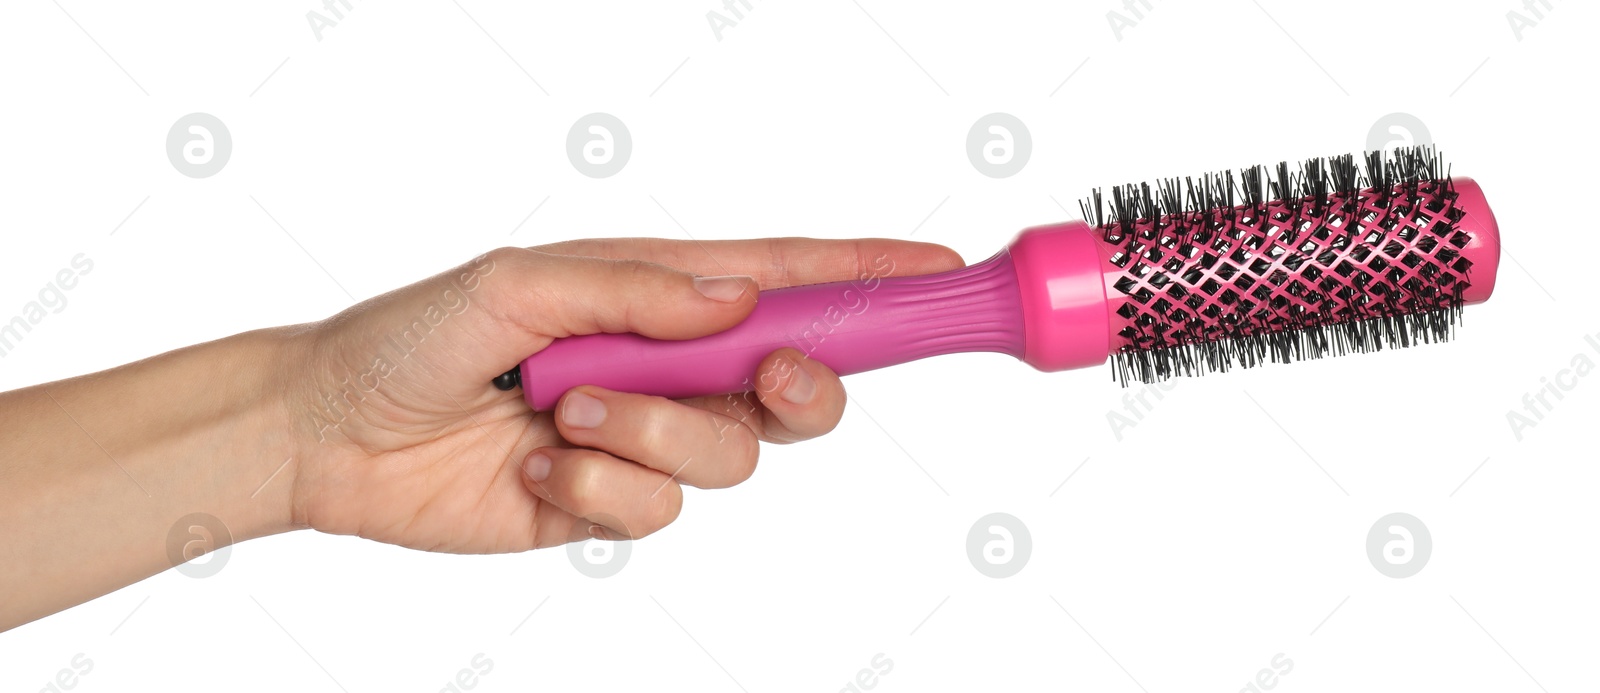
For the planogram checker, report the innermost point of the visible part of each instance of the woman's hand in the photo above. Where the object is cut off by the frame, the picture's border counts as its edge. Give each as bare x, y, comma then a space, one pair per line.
381, 421
403, 440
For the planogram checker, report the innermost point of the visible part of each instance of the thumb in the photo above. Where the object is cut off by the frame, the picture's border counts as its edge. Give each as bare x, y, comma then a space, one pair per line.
468, 325
564, 295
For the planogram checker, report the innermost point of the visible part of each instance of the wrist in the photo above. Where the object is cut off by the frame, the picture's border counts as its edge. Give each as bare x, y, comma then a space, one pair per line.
260, 450
212, 433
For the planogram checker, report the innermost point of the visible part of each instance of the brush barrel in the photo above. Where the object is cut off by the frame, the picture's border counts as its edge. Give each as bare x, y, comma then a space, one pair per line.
853, 326
1286, 280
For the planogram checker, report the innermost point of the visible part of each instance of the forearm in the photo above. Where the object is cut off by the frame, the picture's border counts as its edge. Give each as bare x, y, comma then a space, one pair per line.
95, 470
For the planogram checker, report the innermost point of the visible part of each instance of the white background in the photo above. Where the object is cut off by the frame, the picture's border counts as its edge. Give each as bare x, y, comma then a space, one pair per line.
1184, 556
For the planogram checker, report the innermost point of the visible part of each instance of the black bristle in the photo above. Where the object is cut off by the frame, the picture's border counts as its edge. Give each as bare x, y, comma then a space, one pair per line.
1284, 186
1122, 207
1225, 187
1377, 173
1346, 178
1148, 208
1250, 183
1094, 210
1314, 178
1171, 196
1378, 265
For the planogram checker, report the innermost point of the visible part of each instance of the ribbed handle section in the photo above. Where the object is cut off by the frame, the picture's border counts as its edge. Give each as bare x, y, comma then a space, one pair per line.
850, 326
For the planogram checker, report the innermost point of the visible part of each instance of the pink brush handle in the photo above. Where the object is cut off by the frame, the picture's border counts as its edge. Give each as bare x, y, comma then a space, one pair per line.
850, 326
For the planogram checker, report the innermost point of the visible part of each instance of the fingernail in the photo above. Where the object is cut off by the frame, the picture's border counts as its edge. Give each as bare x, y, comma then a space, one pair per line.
725, 289
801, 388
583, 411
537, 466
597, 532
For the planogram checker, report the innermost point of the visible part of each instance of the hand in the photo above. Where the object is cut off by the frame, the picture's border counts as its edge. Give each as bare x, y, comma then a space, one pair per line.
404, 440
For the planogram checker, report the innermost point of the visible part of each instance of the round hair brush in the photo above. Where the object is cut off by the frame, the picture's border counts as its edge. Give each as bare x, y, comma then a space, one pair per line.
1180, 278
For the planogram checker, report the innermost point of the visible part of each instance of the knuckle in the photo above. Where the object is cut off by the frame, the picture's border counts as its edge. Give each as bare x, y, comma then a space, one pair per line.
665, 509
635, 280
733, 459
745, 454
586, 483
505, 298
651, 429
778, 267
511, 256
634, 272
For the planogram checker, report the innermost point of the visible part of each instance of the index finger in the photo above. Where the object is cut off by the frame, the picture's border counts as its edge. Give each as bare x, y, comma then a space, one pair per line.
774, 262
